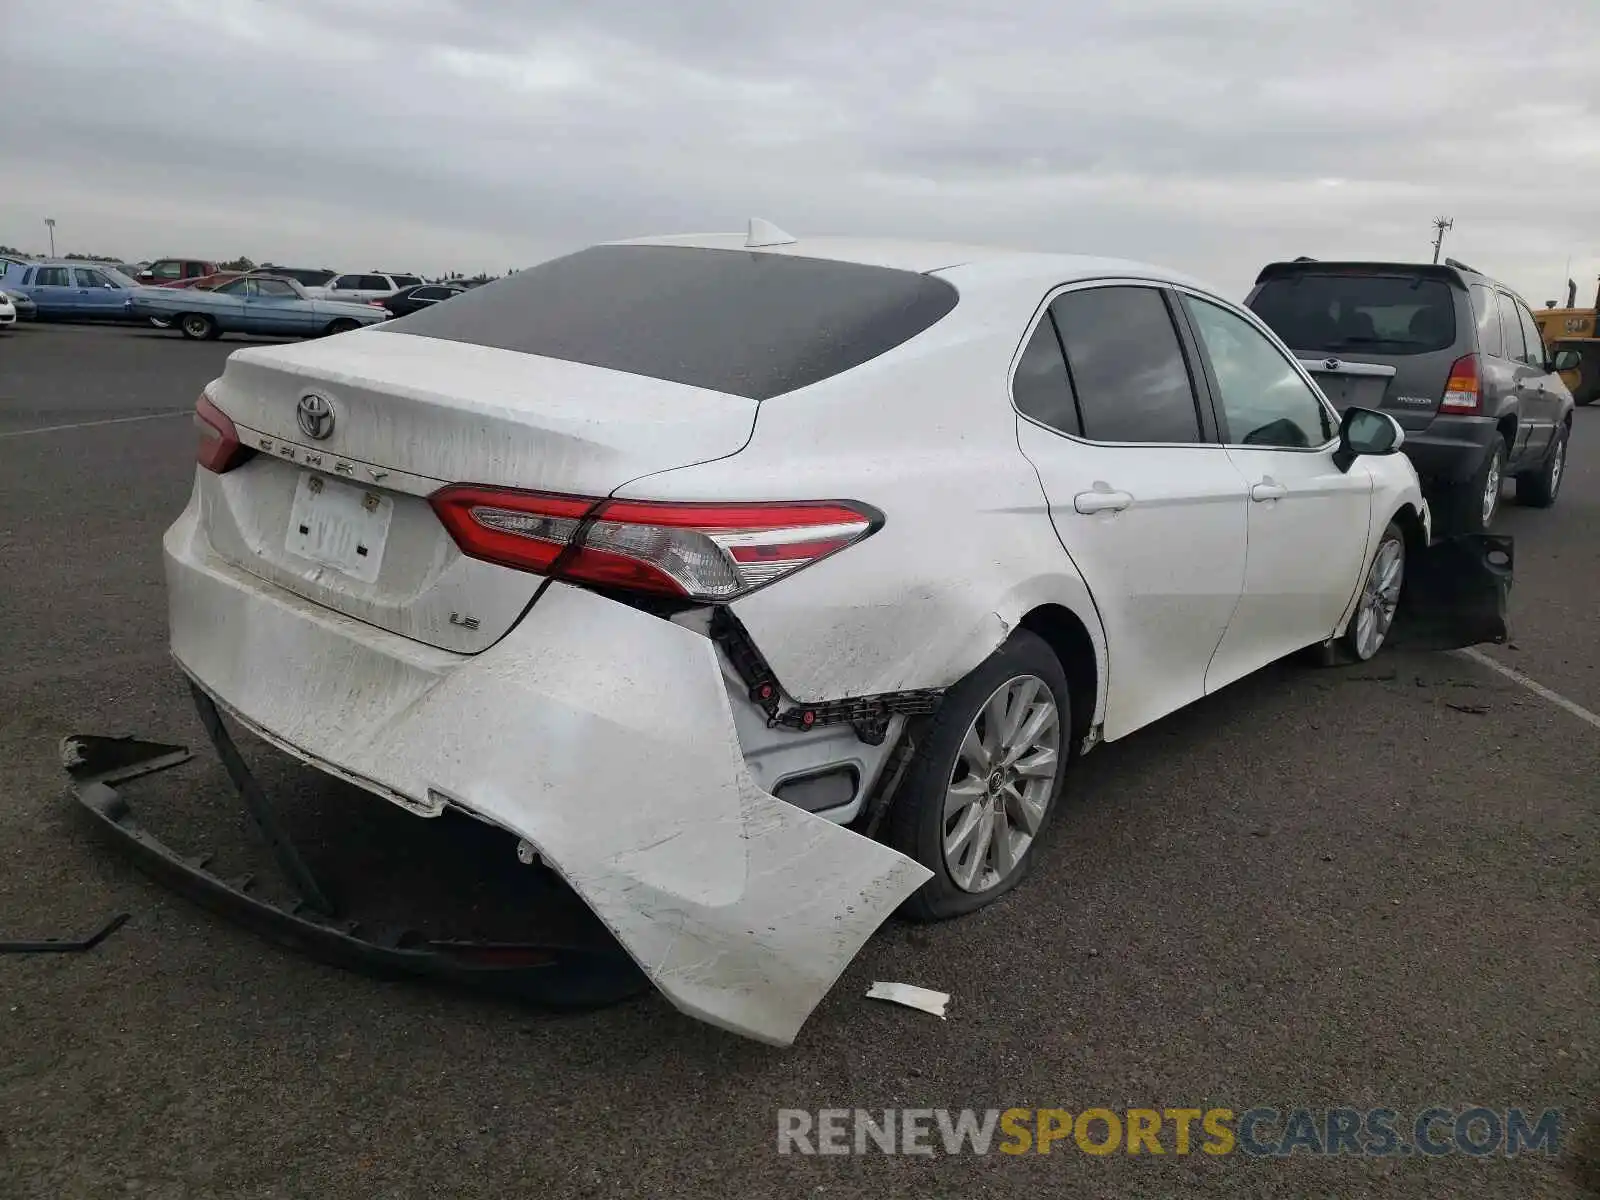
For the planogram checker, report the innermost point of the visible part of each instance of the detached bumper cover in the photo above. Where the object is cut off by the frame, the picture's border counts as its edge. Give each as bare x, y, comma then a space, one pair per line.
1457, 593
601, 735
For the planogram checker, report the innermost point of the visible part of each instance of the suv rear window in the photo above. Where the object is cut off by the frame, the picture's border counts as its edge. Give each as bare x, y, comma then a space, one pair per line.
748, 324
1383, 314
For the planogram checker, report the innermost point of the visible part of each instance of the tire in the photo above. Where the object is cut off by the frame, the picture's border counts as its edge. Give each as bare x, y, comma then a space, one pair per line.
342, 325
1023, 670
198, 327
1539, 489
1379, 599
1465, 504
1588, 386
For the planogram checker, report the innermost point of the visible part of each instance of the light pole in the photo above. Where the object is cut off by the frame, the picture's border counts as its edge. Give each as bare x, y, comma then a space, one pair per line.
50, 224
1441, 224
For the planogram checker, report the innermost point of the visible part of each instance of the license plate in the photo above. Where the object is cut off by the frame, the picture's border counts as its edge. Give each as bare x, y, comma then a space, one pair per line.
339, 526
1347, 391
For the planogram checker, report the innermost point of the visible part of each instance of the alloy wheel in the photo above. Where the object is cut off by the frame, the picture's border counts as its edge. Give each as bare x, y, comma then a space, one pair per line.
1380, 597
1001, 784
1491, 489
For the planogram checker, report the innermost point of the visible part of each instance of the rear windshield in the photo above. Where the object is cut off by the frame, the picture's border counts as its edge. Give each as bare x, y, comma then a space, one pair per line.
1384, 314
748, 324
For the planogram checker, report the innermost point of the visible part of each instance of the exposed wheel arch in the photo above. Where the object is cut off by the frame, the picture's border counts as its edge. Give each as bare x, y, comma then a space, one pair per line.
1068, 637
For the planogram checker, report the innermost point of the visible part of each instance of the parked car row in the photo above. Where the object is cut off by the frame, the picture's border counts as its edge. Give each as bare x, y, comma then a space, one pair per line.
202, 301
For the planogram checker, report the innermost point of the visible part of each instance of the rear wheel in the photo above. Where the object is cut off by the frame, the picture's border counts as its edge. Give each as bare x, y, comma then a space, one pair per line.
984, 779
1586, 388
1538, 489
198, 327
1470, 507
342, 325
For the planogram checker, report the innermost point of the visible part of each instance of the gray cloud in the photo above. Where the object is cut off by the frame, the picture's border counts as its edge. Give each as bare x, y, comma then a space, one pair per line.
1212, 135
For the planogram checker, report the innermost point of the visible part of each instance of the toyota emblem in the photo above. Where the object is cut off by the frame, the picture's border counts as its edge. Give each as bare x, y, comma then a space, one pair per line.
315, 416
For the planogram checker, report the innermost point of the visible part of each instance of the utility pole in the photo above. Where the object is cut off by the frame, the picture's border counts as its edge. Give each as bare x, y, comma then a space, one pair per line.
1441, 224
50, 224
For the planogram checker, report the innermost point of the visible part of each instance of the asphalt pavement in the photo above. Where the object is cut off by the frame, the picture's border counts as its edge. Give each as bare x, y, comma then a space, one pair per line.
1372, 887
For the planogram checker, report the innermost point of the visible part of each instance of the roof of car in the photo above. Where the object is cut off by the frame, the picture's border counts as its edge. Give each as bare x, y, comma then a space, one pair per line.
959, 262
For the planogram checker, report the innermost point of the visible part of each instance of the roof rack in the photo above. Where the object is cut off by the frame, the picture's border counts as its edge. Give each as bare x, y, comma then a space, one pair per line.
1305, 258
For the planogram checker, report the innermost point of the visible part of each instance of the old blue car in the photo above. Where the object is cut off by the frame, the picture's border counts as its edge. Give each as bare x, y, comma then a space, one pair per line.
71, 290
266, 304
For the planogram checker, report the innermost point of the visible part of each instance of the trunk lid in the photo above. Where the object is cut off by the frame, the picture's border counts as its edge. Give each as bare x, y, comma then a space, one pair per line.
343, 519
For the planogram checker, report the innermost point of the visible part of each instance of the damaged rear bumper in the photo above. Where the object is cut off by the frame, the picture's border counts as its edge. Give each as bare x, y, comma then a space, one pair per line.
602, 736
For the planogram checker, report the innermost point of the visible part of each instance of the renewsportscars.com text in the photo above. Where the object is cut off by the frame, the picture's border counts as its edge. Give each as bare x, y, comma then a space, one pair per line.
1260, 1132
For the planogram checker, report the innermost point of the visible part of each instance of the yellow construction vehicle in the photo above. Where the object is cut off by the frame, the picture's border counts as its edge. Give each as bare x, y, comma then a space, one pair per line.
1572, 328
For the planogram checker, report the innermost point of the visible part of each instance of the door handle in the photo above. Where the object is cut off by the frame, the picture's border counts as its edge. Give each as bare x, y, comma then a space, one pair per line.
1268, 489
1102, 499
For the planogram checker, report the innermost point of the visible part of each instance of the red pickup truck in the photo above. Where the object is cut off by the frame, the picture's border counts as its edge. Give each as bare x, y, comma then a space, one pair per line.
165, 272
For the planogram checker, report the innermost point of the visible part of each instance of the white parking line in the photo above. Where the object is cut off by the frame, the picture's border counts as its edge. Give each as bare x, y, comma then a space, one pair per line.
177, 412
1533, 685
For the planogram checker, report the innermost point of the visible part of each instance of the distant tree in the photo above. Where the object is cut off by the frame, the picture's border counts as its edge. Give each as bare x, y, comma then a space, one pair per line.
238, 264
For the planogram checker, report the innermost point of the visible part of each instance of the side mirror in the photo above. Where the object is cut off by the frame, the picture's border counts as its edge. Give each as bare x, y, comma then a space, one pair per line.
1565, 360
1366, 431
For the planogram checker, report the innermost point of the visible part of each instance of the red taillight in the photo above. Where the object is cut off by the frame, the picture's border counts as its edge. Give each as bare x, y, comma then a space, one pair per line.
706, 552
219, 448
1462, 394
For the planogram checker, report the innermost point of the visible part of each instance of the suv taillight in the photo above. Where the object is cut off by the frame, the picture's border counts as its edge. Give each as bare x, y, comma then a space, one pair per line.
706, 552
219, 448
1462, 395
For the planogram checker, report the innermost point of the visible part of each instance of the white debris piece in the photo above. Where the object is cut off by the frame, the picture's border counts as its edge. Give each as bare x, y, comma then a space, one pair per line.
912, 996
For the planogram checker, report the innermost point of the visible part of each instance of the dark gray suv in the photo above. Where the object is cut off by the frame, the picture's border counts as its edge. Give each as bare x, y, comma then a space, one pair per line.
1452, 355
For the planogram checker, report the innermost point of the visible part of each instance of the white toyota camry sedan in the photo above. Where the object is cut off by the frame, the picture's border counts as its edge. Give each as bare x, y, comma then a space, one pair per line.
763, 586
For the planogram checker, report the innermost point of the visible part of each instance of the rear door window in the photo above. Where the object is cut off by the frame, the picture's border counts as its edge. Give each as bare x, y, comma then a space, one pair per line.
52, 277
346, 283
1127, 366
406, 281
748, 324
1516, 350
1348, 313
89, 279
1487, 316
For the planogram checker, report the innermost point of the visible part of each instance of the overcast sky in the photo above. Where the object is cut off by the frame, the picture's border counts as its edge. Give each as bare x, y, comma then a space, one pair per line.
431, 135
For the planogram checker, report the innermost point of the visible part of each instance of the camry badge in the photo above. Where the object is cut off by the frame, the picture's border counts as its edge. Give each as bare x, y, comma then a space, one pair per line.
314, 414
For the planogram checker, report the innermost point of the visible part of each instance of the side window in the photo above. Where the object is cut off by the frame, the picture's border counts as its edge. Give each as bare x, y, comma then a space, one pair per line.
375, 283
52, 277
1040, 387
89, 279
1487, 316
27, 277
167, 270
1126, 365
1530, 334
1511, 327
274, 287
1264, 399
346, 283
234, 287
